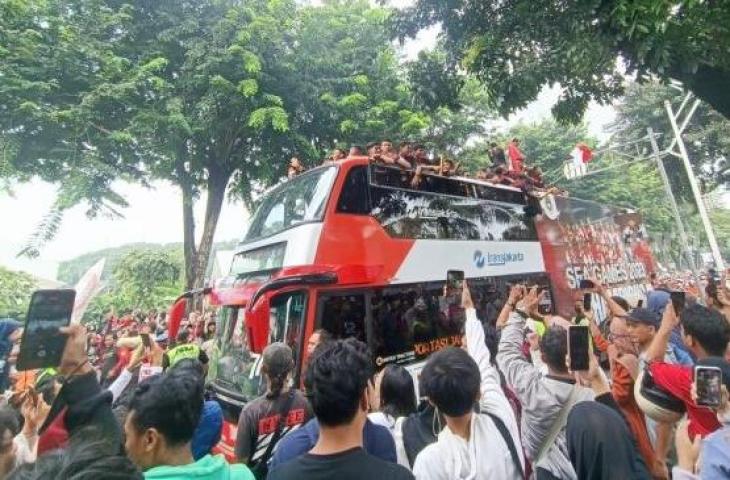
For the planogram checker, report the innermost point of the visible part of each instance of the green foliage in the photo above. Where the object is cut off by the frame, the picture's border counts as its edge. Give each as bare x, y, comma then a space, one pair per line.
517, 47
142, 278
707, 137
16, 288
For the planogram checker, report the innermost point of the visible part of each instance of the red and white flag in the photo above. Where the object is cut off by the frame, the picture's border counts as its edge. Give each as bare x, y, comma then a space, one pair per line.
581, 154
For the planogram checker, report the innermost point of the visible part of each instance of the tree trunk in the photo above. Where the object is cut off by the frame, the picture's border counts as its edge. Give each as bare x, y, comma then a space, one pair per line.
189, 251
216, 186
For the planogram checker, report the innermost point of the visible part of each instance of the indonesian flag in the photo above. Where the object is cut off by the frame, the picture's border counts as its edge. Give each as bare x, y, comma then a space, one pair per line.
581, 154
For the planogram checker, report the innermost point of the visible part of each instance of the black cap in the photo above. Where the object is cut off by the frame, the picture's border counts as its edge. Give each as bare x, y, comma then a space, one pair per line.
644, 315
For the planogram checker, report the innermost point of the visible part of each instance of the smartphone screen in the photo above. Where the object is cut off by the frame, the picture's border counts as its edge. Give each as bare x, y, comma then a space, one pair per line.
578, 347
42, 344
545, 305
586, 284
145, 339
708, 382
455, 279
678, 301
587, 298
640, 303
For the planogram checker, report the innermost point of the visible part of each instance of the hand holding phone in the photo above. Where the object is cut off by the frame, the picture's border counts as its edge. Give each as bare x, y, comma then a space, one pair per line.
578, 347
678, 300
43, 341
708, 385
586, 284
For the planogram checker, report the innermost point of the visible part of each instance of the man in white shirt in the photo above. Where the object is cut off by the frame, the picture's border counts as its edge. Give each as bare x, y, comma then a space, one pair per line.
476, 444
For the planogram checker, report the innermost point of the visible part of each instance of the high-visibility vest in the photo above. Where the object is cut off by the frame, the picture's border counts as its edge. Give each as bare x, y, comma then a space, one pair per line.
187, 350
45, 373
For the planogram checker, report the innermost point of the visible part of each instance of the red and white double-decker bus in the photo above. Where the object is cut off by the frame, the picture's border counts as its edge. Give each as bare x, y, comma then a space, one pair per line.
354, 249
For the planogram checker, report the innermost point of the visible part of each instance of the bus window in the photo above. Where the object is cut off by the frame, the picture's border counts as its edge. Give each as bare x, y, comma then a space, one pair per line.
410, 322
287, 319
354, 197
235, 366
343, 316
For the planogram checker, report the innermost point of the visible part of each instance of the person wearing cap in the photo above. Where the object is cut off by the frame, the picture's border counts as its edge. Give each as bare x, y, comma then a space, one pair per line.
706, 333
269, 417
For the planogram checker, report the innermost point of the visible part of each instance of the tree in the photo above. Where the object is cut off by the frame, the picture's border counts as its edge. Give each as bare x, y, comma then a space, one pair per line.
142, 279
16, 288
707, 137
212, 95
585, 46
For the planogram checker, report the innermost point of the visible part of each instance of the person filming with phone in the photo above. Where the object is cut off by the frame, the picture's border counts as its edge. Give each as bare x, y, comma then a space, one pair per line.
706, 333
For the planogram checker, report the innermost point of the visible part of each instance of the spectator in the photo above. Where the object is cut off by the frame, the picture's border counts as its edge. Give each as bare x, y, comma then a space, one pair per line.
390, 156
109, 358
600, 446
182, 350
624, 372
417, 431
485, 444
295, 168
405, 151
10, 458
10, 332
81, 461
516, 157
337, 155
356, 151
545, 400
337, 381
420, 155
163, 415
706, 333
208, 344
208, 432
496, 155
395, 396
266, 419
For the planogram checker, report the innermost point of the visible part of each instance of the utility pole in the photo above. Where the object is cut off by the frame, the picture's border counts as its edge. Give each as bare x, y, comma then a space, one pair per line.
719, 263
656, 154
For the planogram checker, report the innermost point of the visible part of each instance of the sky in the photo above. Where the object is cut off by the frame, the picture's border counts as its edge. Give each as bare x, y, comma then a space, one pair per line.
154, 215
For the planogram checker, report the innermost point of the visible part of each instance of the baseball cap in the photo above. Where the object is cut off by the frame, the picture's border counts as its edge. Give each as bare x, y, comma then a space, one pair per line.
644, 315
278, 359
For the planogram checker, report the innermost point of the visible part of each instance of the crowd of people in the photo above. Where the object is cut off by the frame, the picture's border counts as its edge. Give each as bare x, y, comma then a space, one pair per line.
507, 168
127, 402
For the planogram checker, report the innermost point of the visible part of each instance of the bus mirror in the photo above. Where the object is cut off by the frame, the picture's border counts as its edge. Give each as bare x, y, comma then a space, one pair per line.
257, 321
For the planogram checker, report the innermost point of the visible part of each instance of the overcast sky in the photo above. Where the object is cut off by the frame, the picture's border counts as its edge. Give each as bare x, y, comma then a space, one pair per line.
154, 215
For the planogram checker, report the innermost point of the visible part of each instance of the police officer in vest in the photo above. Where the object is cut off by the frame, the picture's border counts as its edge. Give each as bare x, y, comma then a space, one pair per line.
183, 349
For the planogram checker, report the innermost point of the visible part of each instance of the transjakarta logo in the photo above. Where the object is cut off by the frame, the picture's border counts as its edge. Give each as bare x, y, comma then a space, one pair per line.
496, 259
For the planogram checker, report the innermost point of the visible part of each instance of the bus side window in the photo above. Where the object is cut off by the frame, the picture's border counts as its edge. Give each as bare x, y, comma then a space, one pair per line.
411, 322
354, 196
343, 316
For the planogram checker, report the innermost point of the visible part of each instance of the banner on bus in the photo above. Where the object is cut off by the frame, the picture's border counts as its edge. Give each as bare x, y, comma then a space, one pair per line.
582, 239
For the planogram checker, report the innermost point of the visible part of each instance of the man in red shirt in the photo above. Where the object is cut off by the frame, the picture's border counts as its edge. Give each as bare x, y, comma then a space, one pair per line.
706, 333
516, 157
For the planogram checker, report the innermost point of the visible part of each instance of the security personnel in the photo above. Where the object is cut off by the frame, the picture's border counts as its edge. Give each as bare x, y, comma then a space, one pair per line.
183, 349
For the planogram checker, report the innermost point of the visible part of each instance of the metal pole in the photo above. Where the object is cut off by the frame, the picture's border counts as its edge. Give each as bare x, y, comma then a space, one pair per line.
719, 263
675, 211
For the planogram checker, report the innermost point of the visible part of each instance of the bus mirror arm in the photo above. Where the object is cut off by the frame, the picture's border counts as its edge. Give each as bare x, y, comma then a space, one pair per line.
326, 278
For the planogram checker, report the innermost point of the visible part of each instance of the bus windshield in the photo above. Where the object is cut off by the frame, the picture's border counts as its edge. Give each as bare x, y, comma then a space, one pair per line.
300, 200
233, 366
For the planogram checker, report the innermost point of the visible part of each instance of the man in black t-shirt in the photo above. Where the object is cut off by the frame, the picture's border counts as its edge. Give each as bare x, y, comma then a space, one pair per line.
338, 378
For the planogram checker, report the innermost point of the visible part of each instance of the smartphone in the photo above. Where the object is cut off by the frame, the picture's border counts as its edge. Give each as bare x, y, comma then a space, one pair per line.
678, 301
640, 303
708, 383
586, 284
578, 347
42, 343
587, 298
455, 279
545, 305
146, 339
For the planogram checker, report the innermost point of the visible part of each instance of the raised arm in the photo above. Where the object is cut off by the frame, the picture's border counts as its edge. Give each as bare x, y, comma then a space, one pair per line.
658, 346
520, 374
